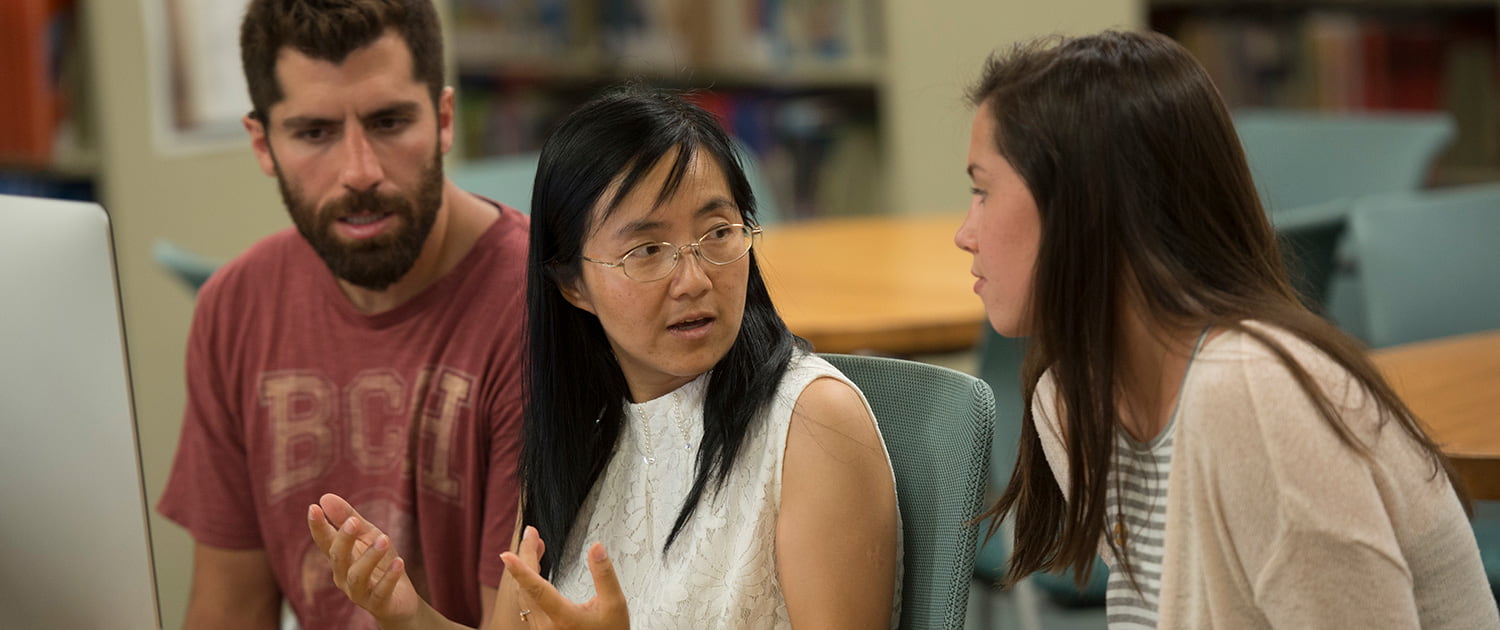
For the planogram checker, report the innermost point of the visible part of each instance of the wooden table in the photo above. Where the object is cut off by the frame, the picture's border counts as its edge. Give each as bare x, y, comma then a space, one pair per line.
1453, 387
893, 285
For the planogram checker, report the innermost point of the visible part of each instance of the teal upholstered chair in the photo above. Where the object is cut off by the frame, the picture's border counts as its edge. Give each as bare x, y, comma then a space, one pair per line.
1429, 263
1430, 266
1310, 238
937, 424
1303, 159
509, 178
1486, 525
191, 268
1000, 367
506, 179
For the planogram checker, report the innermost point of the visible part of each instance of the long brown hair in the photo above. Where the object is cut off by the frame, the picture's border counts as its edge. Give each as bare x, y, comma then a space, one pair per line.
1142, 188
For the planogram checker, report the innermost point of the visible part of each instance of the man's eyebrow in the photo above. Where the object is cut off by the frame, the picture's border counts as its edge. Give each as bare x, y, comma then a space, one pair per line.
404, 108
303, 122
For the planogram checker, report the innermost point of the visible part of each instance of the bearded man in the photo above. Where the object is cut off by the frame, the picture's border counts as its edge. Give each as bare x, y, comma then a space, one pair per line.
373, 351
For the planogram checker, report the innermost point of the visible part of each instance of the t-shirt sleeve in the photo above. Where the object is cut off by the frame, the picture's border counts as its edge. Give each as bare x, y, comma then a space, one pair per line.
502, 488
208, 491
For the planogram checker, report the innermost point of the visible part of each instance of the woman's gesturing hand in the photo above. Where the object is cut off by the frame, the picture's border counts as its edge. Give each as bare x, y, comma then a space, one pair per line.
544, 607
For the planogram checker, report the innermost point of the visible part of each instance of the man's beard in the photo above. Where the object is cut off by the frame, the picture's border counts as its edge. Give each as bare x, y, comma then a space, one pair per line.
378, 262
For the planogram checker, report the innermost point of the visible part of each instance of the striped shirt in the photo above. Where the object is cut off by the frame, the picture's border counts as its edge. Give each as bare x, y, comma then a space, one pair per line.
1137, 504
1137, 500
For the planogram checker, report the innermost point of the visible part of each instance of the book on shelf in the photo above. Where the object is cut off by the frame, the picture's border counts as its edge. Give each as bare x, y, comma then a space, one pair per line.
1359, 58
767, 38
818, 152
1324, 59
34, 40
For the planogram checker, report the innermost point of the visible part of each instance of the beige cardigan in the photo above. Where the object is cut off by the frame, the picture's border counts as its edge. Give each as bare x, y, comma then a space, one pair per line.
1272, 522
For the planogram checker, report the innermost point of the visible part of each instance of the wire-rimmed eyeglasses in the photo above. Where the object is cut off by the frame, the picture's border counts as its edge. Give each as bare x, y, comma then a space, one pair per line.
720, 245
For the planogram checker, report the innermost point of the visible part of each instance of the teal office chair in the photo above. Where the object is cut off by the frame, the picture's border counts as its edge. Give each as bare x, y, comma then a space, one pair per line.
1428, 263
1000, 367
1301, 158
506, 179
187, 266
937, 424
509, 179
1310, 238
1486, 525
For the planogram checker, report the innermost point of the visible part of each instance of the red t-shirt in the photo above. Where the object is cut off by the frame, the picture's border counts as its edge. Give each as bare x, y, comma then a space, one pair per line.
413, 415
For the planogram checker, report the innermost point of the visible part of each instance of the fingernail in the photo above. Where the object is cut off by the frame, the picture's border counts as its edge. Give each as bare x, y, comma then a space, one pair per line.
603, 553
310, 515
530, 532
349, 526
382, 542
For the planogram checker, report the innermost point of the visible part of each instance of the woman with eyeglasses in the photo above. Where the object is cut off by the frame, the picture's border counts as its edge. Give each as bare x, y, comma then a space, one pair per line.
1236, 459
736, 480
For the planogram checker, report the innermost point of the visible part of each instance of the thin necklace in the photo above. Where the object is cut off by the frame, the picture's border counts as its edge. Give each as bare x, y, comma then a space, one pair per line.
650, 458
1119, 528
687, 441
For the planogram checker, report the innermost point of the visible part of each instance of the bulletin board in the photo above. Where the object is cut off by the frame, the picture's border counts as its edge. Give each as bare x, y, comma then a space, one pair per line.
198, 88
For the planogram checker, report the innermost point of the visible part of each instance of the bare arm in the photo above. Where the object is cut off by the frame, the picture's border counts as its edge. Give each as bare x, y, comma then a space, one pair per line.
506, 598
232, 589
836, 534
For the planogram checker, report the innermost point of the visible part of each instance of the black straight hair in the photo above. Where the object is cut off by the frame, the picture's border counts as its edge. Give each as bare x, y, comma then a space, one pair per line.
575, 391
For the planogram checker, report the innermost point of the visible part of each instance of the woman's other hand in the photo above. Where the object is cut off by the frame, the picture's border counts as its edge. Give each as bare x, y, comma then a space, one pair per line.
545, 608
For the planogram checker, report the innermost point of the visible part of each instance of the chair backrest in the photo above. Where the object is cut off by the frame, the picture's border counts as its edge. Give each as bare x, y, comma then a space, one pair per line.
1300, 158
1429, 263
1310, 238
509, 179
506, 179
190, 267
936, 423
1000, 367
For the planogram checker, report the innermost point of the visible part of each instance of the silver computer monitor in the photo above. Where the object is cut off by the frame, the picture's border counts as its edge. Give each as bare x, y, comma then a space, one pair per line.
75, 550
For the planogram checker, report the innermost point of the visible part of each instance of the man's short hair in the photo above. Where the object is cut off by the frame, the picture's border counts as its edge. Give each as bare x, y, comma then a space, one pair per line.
329, 30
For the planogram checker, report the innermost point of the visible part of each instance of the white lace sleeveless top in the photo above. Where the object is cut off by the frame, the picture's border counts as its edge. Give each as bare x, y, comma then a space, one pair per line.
721, 571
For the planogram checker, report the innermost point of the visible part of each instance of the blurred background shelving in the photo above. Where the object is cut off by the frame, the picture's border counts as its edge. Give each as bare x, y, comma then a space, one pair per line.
796, 81
1365, 55
46, 136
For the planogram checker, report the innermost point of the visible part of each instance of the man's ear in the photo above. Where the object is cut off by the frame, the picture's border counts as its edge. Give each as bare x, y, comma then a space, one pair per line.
576, 294
445, 119
260, 144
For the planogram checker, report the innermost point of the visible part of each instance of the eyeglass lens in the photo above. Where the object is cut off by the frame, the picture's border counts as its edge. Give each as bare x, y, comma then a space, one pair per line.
722, 245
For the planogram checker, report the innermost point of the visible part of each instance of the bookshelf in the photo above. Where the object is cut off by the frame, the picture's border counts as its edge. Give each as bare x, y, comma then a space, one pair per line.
217, 202
44, 135
1395, 55
796, 81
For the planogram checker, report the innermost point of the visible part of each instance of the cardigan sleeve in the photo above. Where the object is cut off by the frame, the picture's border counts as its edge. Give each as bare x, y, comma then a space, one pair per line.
1324, 552
1049, 429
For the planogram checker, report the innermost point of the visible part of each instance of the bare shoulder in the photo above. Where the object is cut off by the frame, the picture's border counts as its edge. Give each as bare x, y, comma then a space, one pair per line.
833, 413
